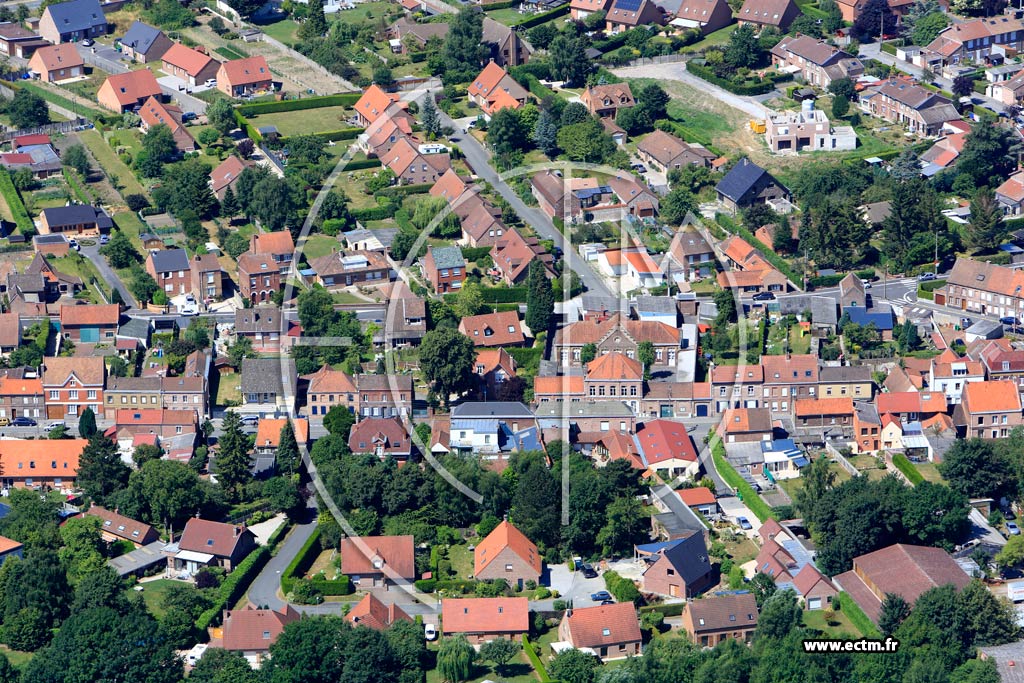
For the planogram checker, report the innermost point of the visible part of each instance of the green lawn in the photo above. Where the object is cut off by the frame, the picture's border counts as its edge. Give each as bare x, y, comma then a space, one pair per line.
839, 626
283, 30
929, 471
347, 298
229, 388
719, 37
316, 246
461, 558
75, 264
111, 164
17, 658
153, 593
305, 120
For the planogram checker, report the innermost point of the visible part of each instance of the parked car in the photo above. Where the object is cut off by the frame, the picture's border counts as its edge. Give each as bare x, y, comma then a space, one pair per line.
764, 296
926, 276
744, 523
24, 422
600, 596
1010, 320
589, 572
1012, 529
430, 632
211, 82
88, 42
104, 239
4, 421
57, 425
250, 420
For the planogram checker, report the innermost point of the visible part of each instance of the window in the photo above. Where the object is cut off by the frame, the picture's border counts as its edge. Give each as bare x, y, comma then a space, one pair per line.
508, 567
54, 395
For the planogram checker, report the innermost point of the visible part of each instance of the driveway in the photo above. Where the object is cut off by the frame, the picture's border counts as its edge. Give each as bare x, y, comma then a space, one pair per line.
733, 508
572, 586
176, 88
480, 161
103, 56
107, 273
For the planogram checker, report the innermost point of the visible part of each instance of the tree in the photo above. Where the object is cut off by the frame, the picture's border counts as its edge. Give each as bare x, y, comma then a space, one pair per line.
907, 166
763, 587
221, 115
625, 525
145, 452
339, 421
463, 47
780, 614
158, 147
119, 251
834, 21
675, 205
100, 469
871, 21
540, 298
208, 136
645, 354
75, 157
975, 671
223, 666
447, 358
569, 62
1012, 554
726, 306
928, 27
842, 86
166, 493
588, 353
287, 457
989, 153
382, 75
840, 106
545, 133
234, 466
27, 109
455, 659
585, 141
273, 202
975, 469
916, 213
962, 87
500, 651
315, 25
186, 187
985, 229
81, 552
894, 612
87, 423
468, 300
505, 133
743, 49
429, 119
574, 666
229, 207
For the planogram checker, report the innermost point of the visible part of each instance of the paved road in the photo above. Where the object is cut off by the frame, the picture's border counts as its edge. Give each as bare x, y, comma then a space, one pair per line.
480, 160
107, 273
263, 591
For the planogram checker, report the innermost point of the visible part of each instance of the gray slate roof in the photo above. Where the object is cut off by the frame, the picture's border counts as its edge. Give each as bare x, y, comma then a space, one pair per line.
448, 257
491, 409
140, 37
77, 15
263, 375
743, 177
77, 213
689, 556
135, 328
170, 259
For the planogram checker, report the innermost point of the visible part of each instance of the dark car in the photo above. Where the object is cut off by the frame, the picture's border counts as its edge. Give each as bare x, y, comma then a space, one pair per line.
589, 572
1009, 320
23, 422
764, 296
607, 602
600, 596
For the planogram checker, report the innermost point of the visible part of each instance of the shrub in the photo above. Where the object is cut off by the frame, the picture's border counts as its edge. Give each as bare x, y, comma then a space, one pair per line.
621, 588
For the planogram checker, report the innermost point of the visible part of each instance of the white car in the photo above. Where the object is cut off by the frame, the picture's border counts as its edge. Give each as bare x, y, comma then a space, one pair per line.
56, 425
189, 310
430, 632
211, 83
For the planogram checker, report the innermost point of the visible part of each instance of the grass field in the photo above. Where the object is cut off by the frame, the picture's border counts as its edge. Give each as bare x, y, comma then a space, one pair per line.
316, 246
283, 30
797, 343
305, 120
930, 472
229, 388
17, 658
111, 164
840, 625
461, 558
154, 592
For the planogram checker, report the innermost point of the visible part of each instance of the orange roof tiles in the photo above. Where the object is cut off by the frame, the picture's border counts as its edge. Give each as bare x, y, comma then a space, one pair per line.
269, 431
485, 615
698, 495
488, 360
811, 407
505, 536
90, 314
328, 380
662, 440
373, 103
55, 57
603, 625
493, 329
991, 396
392, 556
10, 386
188, 60
904, 402
255, 630
373, 613
450, 186
642, 261
591, 332
22, 459
8, 545
614, 366
486, 81
246, 71
566, 384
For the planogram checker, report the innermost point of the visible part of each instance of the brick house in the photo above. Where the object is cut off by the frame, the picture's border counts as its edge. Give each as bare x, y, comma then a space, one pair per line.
494, 329
988, 410
372, 103
250, 631
192, 66
90, 323
761, 13
666, 445
378, 561
130, 422
207, 277
382, 436
979, 287
337, 269
115, 527
205, 543
226, 175
444, 268
485, 619
745, 425
411, 167
21, 397
72, 21
328, 388
823, 412
171, 270
143, 43
901, 101
611, 631
259, 277
715, 619
384, 395
747, 184
73, 384
512, 255
607, 100
736, 386
241, 77
76, 219
54, 63
707, 15
617, 333
678, 568
372, 613
867, 428
154, 113
623, 15
507, 554
40, 464
818, 62
268, 434
614, 376
127, 91
788, 378
666, 152
493, 89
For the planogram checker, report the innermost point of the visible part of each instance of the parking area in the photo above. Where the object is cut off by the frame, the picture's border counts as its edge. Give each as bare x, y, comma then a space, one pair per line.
181, 85
734, 508
572, 586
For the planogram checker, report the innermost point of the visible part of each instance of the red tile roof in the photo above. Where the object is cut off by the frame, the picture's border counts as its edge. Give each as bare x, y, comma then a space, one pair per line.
493, 329
90, 314
268, 434
903, 402
279, 242
49, 458
698, 495
662, 440
485, 615
207, 536
992, 396
245, 71
55, 57
387, 432
811, 407
255, 630
133, 86
603, 625
121, 526
226, 173
373, 613
392, 556
190, 61
373, 103
571, 384
505, 536
614, 366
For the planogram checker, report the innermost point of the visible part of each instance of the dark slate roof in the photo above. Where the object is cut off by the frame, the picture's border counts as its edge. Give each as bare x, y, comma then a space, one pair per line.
882, 319
77, 15
689, 556
491, 409
140, 37
448, 257
52, 238
263, 375
77, 213
170, 259
741, 179
135, 328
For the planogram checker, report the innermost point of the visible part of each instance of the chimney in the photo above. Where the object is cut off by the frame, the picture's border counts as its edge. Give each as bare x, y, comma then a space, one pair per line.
238, 530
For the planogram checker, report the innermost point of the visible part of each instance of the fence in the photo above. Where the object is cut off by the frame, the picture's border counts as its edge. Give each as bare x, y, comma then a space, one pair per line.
47, 129
308, 62
841, 459
660, 59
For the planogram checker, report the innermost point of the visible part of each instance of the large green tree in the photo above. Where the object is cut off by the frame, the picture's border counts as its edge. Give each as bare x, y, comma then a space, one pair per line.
447, 357
287, 450
186, 187
101, 471
234, 464
989, 154
27, 109
455, 659
977, 470
506, 133
985, 229
568, 59
540, 298
167, 493
463, 46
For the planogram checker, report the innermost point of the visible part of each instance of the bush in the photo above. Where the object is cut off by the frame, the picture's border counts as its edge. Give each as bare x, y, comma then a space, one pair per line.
233, 587
559, 605
761, 87
426, 585
621, 588
302, 561
136, 202
14, 203
342, 100
908, 469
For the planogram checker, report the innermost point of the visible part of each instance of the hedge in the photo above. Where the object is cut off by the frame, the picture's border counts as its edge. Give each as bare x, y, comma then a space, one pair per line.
332, 135
501, 4
342, 586
531, 83
14, 203
358, 164
342, 100
616, 41
746, 492
234, 587
543, 17
402, 191
764, 87
908, 470
302, 561
525, 357
620, 587
780, 263
247, 127
856, 615
824, 280
426, 585
278, 534
375, 213
76, 186
671, 610
475, 253
538, 666
507, 295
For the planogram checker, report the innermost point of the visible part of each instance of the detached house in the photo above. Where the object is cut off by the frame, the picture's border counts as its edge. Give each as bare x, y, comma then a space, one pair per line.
815, 61
678, 568
115, 527
611, 631
241, 77
127, 91
372, 613
154, 113
72, 21
372, 104
666, 152
226, 175
382, 436
623, 15
715, 619
706, 15
192, 66
75, 219
485, 619
747, 184
494, 89
493, 329
607, 100
761, 13
507, 554
378, 561
251, 631
900, 101
411, 167
513, 254
54, 63
170, 268
444, 268
205, 543
144, 44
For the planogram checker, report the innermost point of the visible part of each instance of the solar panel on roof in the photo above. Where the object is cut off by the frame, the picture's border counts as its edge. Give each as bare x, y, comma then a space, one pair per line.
628, 5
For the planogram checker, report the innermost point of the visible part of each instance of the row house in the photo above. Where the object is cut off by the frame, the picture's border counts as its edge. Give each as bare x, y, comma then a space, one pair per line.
787, 379
976, 41
988, 410
927, 407
823, 412
493, 89
985, 288
170, 268
362, 395
90, 323
624, 15
949, 374
129, 423
1008, 92
328, 388
677, 399
761, 14
617, 334
815, 61
338, 270
903, 102
21, 397
263, 268
736, 386
615, 375
262, 326
73, 384
167, 393
513, 254
854, 381
867, 428
999, 359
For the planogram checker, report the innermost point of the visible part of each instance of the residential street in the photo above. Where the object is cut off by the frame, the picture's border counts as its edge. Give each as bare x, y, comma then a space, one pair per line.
107, 273
479, 159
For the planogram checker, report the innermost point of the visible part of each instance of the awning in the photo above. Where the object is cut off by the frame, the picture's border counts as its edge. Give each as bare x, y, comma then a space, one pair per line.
191, 556
685, 23
916, 441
